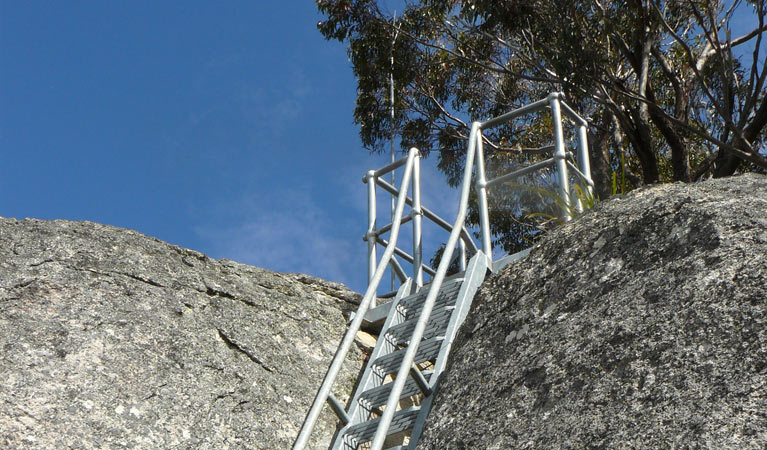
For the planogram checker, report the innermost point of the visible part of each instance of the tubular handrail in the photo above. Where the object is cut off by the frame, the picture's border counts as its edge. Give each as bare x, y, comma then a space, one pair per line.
420, 327
417, 213
354, 327
555, 102
580, 121
406, 256
388, 168
521, 172
474, 148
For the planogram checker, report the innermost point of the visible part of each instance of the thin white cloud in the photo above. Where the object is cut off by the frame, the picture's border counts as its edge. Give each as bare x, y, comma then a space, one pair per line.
288, 232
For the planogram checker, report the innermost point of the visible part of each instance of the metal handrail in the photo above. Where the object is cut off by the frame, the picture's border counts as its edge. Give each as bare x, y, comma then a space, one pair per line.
354, 327
555, 102
406, 256
373, 177
429, 214
420, 327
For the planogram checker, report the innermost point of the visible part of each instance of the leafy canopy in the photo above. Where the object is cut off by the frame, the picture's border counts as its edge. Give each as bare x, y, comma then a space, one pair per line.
674, 90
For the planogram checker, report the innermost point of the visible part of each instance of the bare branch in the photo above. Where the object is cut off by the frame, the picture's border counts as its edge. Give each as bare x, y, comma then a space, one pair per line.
707, 90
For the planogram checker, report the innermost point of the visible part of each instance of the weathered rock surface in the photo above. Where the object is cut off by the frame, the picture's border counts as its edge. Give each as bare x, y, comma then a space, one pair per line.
111, 339
641, 325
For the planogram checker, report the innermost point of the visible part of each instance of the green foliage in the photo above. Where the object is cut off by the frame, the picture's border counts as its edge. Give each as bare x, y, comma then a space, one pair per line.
580, 200
458, 61
619, 187
668, 98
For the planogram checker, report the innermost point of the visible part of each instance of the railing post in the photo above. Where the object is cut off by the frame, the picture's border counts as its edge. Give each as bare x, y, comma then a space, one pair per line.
417, 214
559, 154
583, 154
371, 237
475, 138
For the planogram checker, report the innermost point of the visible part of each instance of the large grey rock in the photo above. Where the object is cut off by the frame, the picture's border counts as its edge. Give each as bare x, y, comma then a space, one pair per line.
111, 339
641, 325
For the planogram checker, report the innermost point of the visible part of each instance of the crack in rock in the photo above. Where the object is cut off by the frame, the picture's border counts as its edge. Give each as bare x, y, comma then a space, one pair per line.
234, 346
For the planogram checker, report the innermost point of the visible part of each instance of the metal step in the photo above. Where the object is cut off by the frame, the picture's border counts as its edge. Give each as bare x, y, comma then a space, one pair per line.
377, 396
436, 326
447, 295
427, 351
365, 431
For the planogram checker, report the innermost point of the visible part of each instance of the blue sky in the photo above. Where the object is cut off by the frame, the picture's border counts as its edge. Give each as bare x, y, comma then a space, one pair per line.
225, 127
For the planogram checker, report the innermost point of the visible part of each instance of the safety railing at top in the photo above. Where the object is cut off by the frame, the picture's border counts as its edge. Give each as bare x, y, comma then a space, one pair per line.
375, 237
474, 155
559, 159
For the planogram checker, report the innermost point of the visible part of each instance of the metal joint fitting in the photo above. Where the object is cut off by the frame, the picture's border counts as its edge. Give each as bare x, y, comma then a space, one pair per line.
367, 236
555, 95
369, 175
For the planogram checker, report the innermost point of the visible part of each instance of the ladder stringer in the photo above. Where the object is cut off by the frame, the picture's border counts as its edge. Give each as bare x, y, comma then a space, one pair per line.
452, 306
369, 378
475, 275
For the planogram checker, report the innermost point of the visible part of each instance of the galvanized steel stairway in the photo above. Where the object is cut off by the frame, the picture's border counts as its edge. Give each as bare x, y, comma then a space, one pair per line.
421, 323
449, 310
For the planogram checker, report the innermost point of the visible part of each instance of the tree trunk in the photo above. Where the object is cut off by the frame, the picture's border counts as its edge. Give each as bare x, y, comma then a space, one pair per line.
599, 153
642, 144
726, 163
680, 153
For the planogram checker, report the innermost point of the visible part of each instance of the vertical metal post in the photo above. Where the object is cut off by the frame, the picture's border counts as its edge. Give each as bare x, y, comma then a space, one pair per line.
417, 213
583, 153
559, 154
371, 237
462, 261
391, 131
475, 138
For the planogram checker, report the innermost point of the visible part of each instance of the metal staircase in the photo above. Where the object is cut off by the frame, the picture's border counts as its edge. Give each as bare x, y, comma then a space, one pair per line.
395, 392
449, 310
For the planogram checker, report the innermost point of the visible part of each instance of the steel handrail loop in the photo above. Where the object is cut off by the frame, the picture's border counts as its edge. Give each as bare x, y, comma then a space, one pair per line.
474, 155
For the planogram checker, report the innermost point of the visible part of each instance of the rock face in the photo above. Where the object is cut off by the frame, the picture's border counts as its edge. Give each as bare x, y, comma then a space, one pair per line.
643, 324
111, 339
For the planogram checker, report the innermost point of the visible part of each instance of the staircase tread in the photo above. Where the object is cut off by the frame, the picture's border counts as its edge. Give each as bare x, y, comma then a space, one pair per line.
436, 325
427, 350
365, 431
378, 395
447, 294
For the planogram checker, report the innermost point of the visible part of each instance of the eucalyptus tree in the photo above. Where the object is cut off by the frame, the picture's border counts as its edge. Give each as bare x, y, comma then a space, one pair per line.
674, 90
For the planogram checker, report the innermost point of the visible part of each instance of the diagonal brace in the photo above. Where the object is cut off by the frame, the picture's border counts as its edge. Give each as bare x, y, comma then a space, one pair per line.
420, 380
338, 408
